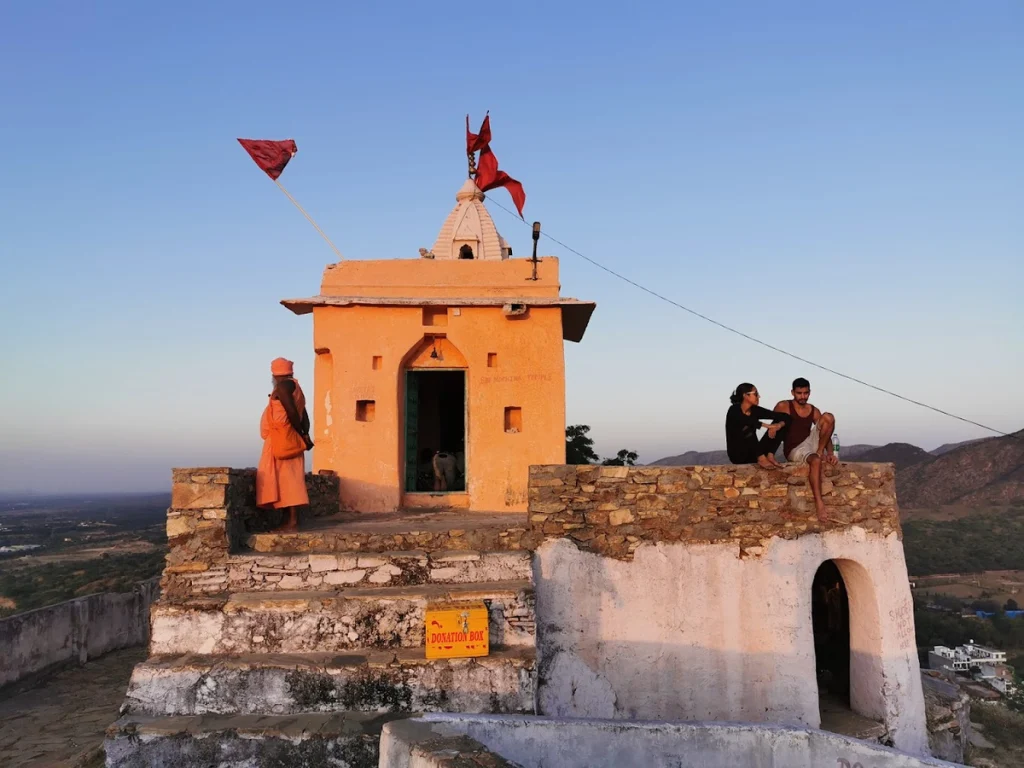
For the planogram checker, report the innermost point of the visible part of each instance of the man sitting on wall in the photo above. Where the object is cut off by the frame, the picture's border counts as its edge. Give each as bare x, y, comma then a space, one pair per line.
808, 437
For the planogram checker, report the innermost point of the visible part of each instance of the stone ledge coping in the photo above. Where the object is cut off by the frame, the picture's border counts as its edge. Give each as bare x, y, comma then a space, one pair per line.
292, 727
516, 656
415, 743
244, 601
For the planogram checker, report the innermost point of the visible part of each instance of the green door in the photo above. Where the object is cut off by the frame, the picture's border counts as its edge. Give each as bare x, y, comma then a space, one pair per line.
412, 420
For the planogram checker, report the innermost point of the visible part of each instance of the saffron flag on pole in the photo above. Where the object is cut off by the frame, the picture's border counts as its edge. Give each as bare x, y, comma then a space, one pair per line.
487, 174
270, 156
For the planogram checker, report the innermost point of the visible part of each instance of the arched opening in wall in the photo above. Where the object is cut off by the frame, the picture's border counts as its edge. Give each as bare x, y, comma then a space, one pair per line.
830, 617
435, 417
844, 617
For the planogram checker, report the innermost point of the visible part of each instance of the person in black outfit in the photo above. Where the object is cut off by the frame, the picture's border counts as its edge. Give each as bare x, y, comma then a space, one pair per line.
741, 424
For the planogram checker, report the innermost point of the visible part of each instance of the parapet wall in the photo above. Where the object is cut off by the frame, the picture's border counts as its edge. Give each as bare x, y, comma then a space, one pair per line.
613, 510
74, 631
213, 510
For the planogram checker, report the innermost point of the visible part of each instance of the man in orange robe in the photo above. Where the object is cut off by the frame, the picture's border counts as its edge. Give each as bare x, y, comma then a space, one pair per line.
281, 482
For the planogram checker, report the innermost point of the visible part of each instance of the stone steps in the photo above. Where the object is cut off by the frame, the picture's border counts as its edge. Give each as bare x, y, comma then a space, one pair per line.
402, 531
284, 572
367, 680
349, 739
332, 621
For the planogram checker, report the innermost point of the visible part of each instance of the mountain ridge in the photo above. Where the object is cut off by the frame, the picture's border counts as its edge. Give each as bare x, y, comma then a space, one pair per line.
975, 472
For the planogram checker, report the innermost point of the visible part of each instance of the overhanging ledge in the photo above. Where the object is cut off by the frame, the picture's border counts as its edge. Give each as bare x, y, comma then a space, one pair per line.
575, 313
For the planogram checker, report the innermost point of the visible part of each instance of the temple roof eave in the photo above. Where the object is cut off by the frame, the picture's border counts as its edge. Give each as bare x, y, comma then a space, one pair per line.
576, 313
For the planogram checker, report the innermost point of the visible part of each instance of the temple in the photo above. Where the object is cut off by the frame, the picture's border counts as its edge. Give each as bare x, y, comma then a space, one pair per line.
694, 596
457, 352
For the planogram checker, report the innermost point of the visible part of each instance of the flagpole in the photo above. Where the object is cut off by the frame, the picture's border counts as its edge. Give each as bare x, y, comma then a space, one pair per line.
310, 219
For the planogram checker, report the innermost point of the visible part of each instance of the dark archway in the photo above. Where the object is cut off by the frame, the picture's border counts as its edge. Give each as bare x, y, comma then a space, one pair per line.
830, 617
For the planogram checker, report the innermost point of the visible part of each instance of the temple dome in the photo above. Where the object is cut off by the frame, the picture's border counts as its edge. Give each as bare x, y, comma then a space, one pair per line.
470, 224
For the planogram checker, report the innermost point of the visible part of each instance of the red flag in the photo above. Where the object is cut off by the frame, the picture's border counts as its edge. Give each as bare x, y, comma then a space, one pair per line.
477, 141
489, 177
270, 156
487, 174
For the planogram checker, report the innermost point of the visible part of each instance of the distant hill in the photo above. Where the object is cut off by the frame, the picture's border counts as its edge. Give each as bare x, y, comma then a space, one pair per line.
694, 458
947, 447
901, 454
706, 458
989, 471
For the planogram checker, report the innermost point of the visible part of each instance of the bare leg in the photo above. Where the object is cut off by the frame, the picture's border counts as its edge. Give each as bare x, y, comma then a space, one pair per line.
291, 522
815, 473
826, 426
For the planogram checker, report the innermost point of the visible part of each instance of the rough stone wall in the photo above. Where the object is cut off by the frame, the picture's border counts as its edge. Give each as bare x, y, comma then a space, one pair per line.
213, 511
74, 631
613, 510
948, 709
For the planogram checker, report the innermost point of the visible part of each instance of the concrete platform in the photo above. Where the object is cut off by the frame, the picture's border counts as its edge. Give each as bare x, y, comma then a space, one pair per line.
347, 739
407, 530
333, 621
440, 740
367, 680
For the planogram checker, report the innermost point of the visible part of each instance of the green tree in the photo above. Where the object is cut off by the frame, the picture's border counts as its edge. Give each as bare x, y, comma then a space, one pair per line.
1011, 605
579, 448
624, 458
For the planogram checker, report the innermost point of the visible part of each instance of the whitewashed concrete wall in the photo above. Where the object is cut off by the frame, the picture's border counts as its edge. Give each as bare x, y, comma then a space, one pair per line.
74, 631
694, 632
534, 742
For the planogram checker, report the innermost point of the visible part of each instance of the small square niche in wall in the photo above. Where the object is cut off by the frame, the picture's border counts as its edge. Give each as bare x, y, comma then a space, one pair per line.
492, 359
513, 419
378, 361
365, 410
435, 315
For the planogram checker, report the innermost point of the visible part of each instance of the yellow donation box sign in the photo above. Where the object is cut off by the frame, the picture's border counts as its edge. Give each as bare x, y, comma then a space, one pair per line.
456, 630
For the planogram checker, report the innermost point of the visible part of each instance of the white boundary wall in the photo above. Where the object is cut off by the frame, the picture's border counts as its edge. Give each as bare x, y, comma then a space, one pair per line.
74, 631
536, 742
693, 632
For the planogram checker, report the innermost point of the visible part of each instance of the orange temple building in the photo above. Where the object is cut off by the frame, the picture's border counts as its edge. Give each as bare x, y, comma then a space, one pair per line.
458, 352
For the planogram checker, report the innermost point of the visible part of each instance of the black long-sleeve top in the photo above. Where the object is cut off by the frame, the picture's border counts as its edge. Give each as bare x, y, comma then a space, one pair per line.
741, 431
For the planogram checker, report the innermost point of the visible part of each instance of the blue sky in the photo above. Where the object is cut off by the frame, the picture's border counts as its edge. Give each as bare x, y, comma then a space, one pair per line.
843, 180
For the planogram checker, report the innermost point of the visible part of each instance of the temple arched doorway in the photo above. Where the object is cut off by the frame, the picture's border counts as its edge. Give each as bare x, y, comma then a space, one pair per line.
435, 418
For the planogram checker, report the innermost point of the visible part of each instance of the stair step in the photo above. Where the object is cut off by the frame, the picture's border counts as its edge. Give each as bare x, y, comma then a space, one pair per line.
340, 739
332, 621
325, 570
428, 531
366, 680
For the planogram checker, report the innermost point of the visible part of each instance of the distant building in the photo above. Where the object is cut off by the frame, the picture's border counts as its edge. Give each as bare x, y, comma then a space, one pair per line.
985, 665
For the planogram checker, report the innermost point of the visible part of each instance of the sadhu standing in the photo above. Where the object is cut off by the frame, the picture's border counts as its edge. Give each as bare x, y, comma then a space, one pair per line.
281, 475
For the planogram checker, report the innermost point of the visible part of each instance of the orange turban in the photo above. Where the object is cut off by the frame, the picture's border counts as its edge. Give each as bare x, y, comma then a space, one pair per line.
282, 367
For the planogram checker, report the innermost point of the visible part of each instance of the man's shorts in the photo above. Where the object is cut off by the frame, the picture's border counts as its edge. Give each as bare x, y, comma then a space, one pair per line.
806, 448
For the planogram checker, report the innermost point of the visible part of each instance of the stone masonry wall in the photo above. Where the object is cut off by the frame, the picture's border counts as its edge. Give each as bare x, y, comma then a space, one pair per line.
613, 510
213, 511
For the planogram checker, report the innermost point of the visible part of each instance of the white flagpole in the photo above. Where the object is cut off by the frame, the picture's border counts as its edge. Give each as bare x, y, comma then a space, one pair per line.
310, 219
